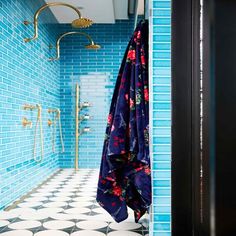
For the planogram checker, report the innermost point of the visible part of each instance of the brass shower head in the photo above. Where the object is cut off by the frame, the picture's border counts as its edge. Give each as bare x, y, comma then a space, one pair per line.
81, 23
77, 23
91, 45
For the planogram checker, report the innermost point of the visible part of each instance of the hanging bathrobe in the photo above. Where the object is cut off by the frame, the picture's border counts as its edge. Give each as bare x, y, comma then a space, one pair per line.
125, 176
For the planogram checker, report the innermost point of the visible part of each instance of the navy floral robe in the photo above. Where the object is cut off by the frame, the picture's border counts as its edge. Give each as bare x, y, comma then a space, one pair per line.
125, 176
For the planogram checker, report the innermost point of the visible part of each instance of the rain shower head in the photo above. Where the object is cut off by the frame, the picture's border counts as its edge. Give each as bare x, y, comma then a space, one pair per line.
81, 23
91, 45
77, 23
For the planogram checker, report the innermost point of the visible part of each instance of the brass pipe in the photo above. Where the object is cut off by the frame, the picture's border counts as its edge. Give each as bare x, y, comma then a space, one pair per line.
91, 43
84, 21
77, 126
29, 107
58, 117
39, 121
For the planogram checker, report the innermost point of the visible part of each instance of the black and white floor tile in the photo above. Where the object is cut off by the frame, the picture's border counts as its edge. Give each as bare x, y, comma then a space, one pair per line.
66, 206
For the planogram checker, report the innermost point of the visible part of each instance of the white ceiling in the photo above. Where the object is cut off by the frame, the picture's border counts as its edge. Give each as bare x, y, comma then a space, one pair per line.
100, 11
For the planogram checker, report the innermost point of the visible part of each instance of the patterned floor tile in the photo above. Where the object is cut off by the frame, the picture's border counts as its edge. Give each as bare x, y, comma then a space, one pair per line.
51, 233
77, 210
123, 233
91, 225
17, 233
66, 206
87, 233
125, 226
4, 223
30, 224
58, 224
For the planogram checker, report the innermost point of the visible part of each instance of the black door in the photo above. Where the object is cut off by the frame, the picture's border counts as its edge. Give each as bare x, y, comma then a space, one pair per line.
204, 117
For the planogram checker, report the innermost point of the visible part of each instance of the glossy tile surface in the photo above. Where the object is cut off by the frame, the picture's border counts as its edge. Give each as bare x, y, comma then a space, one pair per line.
77, 213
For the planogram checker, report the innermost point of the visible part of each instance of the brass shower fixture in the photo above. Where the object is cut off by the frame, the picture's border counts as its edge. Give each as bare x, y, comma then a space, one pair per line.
77, 23
26, 122
54, 123
91, 45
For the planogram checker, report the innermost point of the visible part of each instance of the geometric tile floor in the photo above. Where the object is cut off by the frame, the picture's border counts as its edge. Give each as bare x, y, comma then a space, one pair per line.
65, 206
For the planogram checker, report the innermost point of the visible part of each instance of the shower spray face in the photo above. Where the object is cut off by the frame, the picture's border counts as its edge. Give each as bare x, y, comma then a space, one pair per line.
93, 46
81, 23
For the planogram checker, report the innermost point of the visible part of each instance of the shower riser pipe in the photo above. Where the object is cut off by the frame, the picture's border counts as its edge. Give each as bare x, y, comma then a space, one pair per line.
77, 127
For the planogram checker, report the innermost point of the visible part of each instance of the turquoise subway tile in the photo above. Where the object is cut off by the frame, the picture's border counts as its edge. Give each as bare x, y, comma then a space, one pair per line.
162, 30
97, 90
162, 4
158, 201
161, 131
161, 192
162, 148
161, 80
159, 21
161, 123
162, 227
161, 157
163, 38
161, 183
161, 63
161, 55
161, 165
162, 209
162, 97
161, 89
162, 105
162, 140
162, 115
161, 233
158, 71
27, 78
162, 217
161, 12
161, 46
163, 174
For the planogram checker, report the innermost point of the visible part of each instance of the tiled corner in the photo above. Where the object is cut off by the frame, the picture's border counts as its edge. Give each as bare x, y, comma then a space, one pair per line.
26, 77
160, 84
96, 72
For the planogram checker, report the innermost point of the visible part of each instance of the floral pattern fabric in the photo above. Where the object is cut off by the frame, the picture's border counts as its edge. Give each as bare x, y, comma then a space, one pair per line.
125, 176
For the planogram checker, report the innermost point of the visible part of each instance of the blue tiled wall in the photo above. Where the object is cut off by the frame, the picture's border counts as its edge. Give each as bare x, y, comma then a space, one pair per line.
160, 84
78, 62
26, 76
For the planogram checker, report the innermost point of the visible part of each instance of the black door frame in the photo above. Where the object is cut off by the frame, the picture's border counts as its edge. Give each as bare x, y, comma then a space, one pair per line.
186, 198
210, 210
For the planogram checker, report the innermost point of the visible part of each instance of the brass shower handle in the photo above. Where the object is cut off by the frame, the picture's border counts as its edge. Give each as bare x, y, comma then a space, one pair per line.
50, 122
26, 122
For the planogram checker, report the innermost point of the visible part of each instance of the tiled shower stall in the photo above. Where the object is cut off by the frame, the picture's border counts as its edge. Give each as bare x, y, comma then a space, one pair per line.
26, 76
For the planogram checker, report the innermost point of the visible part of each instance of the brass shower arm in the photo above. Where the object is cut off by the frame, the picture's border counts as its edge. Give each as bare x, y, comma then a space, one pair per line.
65, 34
36, 15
